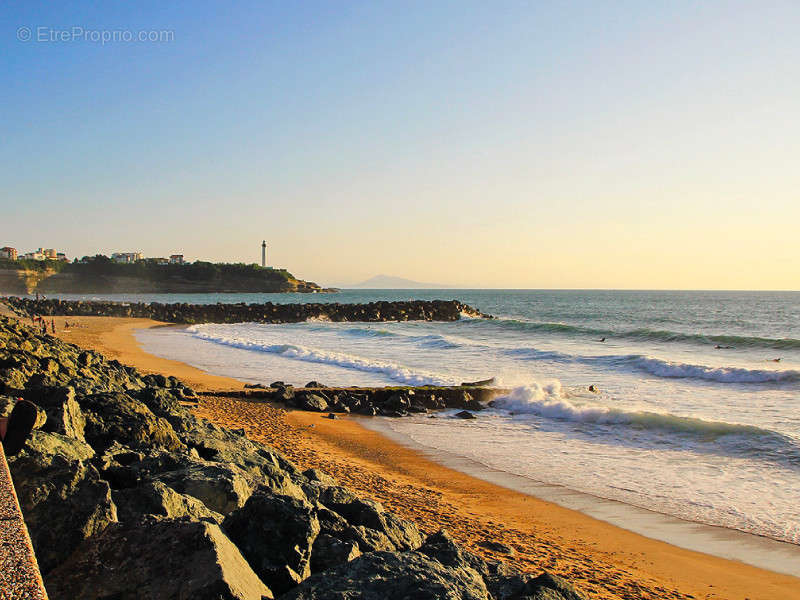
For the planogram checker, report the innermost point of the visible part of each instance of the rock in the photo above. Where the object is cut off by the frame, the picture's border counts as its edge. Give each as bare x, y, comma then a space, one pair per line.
312, 402
275, 534
443, 548
221, 487
317, 475
153, 559
396, 403
284, 394
329, 551
392, 576
64, 415
495, 546
314, 384
256, 386
277, 384
524, 587
63, 501
470, 403
155, 498
51, 444
118, 416
465, 414
331, 416
403, 534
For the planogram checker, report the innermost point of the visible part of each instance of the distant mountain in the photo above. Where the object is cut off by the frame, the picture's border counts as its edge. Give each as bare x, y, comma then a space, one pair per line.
387, 282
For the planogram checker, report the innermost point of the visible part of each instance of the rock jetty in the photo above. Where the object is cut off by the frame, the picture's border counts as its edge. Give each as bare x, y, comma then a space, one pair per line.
386, 401
127, 495
412, 310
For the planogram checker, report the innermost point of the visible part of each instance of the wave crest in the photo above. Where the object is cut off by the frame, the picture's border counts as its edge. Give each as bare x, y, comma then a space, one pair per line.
394, 372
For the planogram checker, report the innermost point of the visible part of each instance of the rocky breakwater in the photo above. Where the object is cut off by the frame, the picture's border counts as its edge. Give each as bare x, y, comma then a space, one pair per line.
412, 310
127, 495
385, 401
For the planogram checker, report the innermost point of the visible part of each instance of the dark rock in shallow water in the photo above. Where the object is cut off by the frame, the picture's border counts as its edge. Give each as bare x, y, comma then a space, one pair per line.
275, 534
465, 414
155, 559
314, 384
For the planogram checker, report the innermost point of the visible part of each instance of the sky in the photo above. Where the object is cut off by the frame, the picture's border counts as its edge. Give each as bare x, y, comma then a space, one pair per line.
644, 145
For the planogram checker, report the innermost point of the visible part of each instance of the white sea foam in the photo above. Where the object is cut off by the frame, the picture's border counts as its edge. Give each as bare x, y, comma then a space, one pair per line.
663, 368
551, 401
395, 372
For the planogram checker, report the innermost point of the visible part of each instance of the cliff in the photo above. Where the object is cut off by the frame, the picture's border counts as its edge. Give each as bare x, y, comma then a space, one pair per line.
102, 276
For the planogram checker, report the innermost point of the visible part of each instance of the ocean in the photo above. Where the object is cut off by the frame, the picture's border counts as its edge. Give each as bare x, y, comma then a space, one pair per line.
695, 413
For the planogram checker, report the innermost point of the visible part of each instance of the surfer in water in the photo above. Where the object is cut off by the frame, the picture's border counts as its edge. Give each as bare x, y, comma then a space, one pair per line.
602, 339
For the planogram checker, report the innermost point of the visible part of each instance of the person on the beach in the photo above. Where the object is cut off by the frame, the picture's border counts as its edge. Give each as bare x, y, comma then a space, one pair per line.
15, 429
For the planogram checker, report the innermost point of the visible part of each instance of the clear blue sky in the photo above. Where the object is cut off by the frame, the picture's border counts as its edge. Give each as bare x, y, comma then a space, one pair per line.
503, 144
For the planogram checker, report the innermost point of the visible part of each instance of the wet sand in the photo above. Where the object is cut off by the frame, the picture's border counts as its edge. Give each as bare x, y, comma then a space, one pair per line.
602, 560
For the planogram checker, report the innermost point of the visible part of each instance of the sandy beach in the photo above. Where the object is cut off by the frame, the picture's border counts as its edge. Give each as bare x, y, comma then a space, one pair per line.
604, 561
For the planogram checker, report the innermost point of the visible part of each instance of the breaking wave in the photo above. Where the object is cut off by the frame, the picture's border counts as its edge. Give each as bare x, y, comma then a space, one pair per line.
550, 401
395, 372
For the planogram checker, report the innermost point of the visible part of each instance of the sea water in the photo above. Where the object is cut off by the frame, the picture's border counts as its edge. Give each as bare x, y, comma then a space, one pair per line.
693, 415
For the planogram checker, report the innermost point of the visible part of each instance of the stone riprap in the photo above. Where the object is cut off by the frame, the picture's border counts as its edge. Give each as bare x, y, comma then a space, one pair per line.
370, 401
127, 495
412, 310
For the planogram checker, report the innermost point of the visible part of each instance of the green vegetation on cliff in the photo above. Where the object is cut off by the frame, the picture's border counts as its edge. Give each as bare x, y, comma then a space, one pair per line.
100, 274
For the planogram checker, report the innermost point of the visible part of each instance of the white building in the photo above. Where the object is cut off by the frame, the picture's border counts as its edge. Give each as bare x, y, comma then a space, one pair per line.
176, 259
127, 257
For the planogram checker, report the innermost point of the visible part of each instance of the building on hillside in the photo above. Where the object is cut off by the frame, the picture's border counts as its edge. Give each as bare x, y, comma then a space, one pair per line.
176, 259
62, 257
159, 260
49, 253
35, 255
127, 257
8, 252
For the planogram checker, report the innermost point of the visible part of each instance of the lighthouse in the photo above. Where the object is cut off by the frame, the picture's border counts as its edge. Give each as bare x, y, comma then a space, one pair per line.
264, 253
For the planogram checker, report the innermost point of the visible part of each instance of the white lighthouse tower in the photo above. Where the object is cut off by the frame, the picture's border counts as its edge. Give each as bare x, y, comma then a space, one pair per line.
264, 253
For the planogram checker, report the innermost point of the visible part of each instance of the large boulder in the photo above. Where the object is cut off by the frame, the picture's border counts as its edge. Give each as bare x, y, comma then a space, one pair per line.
403, 534
155, 560
64, 501
117, 416
392, 576
155, 498
275, 534
527, 587
329, 551
221, 487
64, 415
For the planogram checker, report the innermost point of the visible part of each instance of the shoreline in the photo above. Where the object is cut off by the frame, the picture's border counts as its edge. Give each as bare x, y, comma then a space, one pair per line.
729, 544
606, 561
